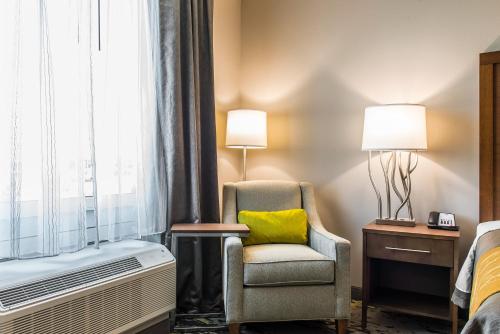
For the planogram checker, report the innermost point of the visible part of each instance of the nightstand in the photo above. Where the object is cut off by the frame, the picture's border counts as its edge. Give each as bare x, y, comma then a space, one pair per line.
410, 270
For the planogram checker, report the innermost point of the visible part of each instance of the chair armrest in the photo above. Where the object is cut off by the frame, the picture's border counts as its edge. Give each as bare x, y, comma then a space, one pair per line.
332, 246
338, 249
233, 279
329, 244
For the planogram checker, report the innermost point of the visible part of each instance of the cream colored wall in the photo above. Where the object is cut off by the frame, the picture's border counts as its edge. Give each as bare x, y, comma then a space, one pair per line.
227, 67
314, 66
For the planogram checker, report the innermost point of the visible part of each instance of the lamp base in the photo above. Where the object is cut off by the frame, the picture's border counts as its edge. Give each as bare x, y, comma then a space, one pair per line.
396, 222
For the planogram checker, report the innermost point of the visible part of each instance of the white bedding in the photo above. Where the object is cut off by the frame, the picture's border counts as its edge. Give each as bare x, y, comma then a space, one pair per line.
464, 280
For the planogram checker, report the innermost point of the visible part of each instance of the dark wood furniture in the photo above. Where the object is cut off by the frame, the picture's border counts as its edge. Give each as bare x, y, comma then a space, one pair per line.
209, 228
489, 147
206, 230
410, 270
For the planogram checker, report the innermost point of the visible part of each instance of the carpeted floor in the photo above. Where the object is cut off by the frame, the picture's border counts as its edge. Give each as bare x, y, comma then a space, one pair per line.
378, 322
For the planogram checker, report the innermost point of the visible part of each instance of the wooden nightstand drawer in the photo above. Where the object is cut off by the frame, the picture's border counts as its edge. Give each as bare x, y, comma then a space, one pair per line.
436, 252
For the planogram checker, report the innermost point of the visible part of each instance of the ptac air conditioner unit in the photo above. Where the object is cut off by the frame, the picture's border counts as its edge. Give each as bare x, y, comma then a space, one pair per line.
122, 287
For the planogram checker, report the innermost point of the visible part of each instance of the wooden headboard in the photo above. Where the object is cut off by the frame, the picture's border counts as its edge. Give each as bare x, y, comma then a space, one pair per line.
489, 129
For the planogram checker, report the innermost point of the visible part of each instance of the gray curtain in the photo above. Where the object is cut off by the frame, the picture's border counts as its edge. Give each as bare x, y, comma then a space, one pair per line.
186, 110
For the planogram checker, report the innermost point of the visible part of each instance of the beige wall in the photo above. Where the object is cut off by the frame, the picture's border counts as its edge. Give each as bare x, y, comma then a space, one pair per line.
314, 66
227, 67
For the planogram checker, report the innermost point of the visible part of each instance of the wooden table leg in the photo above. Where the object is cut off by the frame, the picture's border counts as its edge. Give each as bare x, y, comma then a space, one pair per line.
366, 285
453, 278
363, 316
234, 328
341, 326
454, 320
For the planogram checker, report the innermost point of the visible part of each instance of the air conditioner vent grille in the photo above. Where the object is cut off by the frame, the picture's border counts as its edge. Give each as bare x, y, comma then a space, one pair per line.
37, 290
116, 307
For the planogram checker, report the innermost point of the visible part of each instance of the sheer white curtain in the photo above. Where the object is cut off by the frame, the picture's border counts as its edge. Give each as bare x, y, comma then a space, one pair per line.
130, 181
43, 143
53, 79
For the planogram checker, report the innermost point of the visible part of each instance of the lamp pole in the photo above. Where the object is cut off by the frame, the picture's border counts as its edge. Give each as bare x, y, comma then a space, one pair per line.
244, 163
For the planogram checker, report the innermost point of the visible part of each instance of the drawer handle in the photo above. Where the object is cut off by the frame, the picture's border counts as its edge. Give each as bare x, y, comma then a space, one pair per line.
408, 250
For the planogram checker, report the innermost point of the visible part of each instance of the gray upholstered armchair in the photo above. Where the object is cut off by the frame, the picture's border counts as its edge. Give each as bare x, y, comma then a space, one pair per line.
283, 282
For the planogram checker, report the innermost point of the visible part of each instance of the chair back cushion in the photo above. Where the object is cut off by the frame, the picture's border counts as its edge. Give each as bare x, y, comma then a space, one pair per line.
268, 195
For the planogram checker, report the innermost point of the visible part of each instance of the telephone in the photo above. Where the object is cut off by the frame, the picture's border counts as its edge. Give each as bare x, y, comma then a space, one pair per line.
443, 221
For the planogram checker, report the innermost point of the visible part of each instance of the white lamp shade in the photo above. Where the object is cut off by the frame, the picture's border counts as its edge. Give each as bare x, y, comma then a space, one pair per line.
246, 128
395, 127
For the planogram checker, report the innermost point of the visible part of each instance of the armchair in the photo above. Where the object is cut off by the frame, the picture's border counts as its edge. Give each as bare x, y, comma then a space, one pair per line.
283, 282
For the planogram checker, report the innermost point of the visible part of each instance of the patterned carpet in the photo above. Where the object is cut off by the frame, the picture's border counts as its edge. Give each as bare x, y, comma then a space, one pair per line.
378, 322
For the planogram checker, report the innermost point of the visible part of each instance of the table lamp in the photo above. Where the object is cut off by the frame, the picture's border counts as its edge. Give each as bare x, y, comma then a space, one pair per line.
397, 132
246, 129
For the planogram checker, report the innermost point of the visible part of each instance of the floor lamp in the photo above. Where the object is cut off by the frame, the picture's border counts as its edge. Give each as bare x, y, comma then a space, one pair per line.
246, 129
397, 132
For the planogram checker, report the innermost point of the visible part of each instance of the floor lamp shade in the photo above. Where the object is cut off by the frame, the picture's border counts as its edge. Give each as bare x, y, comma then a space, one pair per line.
246, 129
395, 127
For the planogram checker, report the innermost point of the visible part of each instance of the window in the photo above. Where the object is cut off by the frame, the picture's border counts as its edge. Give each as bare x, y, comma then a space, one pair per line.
54, 80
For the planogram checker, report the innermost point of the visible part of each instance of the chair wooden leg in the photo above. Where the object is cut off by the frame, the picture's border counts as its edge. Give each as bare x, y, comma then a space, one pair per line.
234, 328
341, 326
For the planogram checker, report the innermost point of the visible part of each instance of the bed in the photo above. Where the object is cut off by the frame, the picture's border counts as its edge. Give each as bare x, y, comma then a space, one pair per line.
478, 284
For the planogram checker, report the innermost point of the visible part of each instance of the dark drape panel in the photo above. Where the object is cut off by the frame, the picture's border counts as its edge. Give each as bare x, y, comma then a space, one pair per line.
186, 109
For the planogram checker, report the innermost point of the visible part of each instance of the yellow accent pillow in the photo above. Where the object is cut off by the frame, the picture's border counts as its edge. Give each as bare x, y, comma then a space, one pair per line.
279, 227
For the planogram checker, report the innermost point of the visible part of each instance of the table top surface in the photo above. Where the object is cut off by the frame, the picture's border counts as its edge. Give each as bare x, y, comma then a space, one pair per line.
420, 230
210, 228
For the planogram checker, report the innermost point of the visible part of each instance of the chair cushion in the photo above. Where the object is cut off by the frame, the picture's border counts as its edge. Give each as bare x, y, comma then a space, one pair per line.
268, 195
275, 227
285, 265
